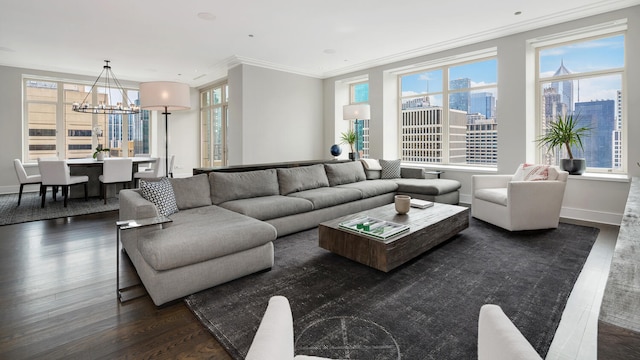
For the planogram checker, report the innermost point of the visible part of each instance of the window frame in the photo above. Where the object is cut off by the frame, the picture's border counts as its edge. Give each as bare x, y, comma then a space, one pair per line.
575, 38
363, 130
445, 91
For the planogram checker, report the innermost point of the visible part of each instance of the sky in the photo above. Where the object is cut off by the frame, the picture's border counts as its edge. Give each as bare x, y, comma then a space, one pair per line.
591, 55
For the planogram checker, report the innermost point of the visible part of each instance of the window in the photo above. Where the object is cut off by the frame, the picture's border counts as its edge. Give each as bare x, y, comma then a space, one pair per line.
448, 114
585, 78
53, 129
359, 93
213, 124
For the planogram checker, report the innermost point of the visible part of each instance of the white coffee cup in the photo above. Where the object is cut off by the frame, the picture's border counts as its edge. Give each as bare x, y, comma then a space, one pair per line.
403, 204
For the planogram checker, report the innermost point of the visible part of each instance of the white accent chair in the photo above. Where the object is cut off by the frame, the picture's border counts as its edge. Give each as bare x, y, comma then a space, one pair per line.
151, 172
115, 171
517, 204
25, 179
56, 173
274, 338
499, 339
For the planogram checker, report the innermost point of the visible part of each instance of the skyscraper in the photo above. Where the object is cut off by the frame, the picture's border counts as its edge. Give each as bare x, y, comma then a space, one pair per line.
483, 103
460, 101
598, 115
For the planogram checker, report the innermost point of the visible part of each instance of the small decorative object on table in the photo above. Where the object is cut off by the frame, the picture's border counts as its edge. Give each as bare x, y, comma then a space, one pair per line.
376, 228
403, 204
100, 152
336, 150
421, 204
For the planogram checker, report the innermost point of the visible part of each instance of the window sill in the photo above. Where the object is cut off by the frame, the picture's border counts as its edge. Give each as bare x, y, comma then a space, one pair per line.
601, 177
445, 168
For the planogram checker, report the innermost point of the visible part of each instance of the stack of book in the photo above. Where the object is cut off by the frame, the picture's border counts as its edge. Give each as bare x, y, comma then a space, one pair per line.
421, 204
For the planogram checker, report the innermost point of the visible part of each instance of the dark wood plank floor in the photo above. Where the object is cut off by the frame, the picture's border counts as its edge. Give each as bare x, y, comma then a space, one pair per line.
58, 299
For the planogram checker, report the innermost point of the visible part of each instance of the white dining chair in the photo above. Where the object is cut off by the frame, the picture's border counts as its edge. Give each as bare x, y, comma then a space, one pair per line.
56, 173
154, 171
143, 166
25, 179
115, 171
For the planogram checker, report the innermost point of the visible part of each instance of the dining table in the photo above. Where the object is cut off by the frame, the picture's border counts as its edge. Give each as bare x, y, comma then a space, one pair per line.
93, 169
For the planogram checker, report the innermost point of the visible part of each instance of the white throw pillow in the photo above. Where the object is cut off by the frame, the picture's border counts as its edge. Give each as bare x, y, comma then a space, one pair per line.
371, 164
531, 172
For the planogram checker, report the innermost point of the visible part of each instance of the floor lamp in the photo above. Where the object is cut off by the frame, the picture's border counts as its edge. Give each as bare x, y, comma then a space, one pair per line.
355, 112
165, 96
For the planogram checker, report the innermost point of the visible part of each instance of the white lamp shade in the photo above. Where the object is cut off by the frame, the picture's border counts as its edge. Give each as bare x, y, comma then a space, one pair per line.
161, 95
356, 111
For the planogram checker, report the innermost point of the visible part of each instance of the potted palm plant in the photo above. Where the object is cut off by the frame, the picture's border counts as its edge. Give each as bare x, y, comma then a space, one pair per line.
350, 137
566, 131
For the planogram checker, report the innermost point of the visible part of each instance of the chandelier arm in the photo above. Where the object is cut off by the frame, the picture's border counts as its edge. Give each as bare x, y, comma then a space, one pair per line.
84, 101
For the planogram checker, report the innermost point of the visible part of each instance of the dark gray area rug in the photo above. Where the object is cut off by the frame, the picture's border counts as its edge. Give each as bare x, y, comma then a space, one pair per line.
30, 210
425, 309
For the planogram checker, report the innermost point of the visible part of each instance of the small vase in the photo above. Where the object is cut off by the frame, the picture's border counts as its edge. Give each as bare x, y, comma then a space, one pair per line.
100, 155
403, 204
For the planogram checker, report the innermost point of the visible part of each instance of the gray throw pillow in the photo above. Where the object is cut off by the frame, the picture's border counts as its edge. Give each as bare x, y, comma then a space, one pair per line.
345, 173
390, 169
160, 193
302, 178
191, 192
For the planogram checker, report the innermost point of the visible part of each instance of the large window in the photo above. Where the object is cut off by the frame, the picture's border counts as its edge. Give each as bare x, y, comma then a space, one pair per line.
585, 78
448, 114
213, 123
53, 129
359, 93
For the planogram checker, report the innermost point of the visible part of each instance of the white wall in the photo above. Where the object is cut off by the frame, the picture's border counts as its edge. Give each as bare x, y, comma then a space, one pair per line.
274, 116
587, 197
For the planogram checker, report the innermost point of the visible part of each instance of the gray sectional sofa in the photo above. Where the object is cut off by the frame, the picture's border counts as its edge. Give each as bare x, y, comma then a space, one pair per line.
226, 221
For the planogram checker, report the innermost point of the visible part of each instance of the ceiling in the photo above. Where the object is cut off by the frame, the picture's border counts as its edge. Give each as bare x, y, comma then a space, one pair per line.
197, 41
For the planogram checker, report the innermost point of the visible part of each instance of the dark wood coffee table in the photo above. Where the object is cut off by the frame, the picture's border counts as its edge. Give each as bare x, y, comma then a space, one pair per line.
427, 228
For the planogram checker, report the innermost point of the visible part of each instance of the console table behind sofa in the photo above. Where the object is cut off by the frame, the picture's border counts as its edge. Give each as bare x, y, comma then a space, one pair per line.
238, 168
619, 320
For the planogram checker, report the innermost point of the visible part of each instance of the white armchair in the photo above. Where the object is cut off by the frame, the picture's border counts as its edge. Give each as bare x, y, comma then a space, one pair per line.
499, 339
274, 338
514, 203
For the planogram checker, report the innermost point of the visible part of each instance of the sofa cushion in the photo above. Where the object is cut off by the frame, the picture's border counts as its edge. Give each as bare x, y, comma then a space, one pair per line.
193, 237
344, 173
373, 174
160, 193
328, 196
192, 191
427, 186
390, 169
242, 185
302, 178
269, 207
371, 188
494, 195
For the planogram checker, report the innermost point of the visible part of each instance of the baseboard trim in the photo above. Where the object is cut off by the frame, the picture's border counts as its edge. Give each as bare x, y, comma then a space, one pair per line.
601, 217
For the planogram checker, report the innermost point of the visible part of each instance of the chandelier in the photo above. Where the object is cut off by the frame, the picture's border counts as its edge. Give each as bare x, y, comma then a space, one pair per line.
103, 107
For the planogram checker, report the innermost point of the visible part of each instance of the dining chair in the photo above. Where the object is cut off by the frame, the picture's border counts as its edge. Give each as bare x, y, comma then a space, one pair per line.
115, 171
56, 173
143, 166
152, 172
25, 179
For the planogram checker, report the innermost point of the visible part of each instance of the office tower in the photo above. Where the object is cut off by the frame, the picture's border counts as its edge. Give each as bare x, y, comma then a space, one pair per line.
598, 115
483, 103
460, 101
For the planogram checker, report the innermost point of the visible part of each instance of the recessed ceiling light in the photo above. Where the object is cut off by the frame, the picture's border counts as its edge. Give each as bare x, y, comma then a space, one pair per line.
206, 16
251, 35
517, 13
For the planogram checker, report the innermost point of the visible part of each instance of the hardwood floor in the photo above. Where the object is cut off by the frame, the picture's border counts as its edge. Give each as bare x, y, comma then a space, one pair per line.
58, 299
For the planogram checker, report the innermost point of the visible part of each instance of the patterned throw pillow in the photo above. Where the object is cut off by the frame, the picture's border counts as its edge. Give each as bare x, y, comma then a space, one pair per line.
160, 193
390, 169
531, 172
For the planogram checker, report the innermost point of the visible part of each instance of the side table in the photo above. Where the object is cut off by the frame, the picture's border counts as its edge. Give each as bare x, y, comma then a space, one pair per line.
127, 225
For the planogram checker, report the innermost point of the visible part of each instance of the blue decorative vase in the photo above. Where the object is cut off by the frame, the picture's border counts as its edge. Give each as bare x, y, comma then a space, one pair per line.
336, 150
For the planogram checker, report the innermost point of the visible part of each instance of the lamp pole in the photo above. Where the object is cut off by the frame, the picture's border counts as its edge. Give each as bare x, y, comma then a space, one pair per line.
166, 114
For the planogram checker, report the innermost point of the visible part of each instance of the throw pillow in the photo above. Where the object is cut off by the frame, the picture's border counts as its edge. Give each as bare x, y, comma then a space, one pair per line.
390, 169
371, 164
531, 172
160, 193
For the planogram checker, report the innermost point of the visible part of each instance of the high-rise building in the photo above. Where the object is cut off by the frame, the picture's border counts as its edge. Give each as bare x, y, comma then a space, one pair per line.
482, 142
483, 103
460, 101
598, 115
564, 88
616, 137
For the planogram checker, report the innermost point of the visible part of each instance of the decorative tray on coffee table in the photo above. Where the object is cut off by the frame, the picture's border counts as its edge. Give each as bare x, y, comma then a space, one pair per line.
373, 227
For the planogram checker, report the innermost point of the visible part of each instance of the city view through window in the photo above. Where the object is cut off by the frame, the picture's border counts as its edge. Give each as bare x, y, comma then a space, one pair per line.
585, 78
467, 132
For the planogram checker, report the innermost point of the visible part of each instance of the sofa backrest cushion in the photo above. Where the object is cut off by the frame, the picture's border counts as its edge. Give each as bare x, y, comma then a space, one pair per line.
242, 185
191, 192
301, 178
345, 173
